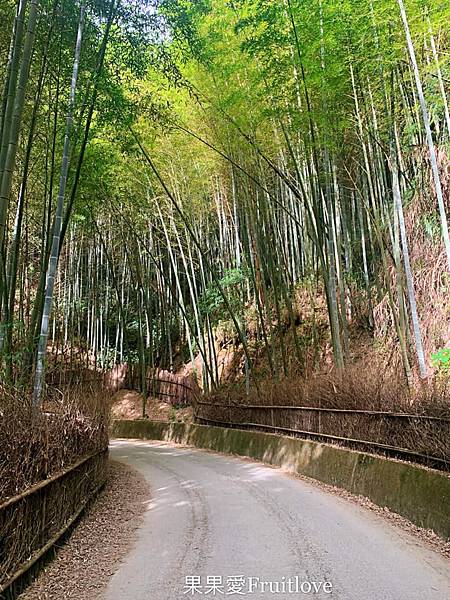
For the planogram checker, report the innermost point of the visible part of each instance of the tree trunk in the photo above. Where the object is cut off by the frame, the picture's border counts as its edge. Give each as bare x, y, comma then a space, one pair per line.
53, 263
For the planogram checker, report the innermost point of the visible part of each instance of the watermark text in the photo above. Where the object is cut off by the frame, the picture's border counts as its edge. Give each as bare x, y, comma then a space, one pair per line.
240, 585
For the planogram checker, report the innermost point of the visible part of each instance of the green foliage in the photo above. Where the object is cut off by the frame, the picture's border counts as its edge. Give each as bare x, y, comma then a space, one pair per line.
441, 360
212, 303
278, 91
173, 414
431, 226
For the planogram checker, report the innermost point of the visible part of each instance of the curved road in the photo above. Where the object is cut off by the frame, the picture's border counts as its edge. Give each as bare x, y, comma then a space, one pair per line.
234, 526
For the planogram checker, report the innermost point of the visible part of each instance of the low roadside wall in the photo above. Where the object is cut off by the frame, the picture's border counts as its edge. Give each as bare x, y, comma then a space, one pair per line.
421, 495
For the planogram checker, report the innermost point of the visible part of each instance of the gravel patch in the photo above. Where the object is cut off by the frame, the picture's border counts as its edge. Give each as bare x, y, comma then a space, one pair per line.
84, 564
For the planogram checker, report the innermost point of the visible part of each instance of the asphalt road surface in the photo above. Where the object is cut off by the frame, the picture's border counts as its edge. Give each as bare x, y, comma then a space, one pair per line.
222, 527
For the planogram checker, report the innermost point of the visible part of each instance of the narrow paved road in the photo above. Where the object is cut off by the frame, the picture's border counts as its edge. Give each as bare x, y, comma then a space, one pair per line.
219, 518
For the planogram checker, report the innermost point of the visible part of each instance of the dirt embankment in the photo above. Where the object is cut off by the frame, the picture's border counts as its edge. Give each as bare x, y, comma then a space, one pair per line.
127, 404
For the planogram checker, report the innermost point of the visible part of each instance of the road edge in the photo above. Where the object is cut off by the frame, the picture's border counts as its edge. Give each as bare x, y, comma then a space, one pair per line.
419, 494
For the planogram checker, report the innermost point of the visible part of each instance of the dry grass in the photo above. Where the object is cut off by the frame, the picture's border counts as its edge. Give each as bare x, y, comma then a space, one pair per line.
35, 444
429, 267
361, 386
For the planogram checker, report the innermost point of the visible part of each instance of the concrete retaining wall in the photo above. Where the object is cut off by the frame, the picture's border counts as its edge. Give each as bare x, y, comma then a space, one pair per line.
419, 494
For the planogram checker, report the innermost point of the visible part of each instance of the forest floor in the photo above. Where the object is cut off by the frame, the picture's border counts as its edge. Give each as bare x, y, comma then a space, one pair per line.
127, 404
84, 564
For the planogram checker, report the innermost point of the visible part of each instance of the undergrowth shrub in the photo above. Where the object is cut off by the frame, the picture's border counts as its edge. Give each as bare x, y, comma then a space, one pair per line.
35, 444
362, 386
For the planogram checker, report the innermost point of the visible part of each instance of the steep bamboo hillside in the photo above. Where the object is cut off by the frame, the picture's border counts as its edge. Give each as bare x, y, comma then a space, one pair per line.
236, 191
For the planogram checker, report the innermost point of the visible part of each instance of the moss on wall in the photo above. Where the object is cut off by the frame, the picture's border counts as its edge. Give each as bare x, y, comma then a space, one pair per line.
419, 494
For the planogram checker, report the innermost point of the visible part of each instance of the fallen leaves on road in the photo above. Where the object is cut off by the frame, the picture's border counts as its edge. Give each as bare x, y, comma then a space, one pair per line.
83, 565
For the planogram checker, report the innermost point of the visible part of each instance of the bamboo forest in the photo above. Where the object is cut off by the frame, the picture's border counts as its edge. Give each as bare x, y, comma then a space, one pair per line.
241, 191
181, 177
219, 218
